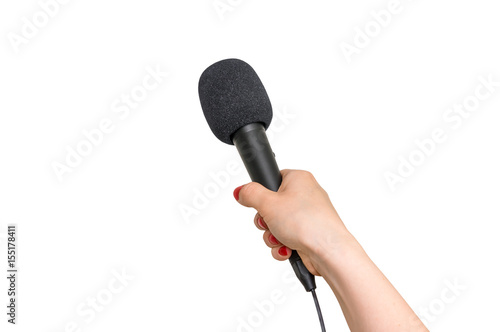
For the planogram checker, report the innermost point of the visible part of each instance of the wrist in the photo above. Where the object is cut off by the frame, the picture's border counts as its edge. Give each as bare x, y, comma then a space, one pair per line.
330, 247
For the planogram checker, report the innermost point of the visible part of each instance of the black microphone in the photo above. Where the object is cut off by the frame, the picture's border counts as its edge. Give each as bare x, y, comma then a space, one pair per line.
238, 111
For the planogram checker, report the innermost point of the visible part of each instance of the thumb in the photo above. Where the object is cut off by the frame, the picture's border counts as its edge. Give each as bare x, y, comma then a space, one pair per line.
253, 195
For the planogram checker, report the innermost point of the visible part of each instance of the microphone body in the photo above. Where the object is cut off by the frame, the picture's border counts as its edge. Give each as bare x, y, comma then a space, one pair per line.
255, 151
260, 162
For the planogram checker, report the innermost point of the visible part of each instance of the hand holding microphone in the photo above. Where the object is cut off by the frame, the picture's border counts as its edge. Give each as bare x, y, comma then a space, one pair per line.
294, 210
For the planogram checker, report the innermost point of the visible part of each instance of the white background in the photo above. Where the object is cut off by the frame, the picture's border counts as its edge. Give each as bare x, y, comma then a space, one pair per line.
349, 123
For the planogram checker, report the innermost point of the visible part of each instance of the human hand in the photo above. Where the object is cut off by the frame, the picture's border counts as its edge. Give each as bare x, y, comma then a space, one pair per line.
299, 216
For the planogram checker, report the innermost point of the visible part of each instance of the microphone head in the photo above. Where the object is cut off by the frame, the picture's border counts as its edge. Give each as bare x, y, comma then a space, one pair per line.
232, 96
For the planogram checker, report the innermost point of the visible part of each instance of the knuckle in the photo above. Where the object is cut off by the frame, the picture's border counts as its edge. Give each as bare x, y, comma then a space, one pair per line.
307, 175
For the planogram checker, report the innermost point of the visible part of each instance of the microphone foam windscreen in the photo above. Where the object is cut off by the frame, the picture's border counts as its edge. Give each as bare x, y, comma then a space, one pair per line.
232, 96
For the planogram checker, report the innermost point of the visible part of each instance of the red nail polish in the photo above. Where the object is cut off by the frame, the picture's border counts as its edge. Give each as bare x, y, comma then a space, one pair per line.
236, 193
283, 251
261, 222
273, 240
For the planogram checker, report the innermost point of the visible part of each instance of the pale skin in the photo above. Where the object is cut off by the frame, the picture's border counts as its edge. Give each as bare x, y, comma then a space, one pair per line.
301, 216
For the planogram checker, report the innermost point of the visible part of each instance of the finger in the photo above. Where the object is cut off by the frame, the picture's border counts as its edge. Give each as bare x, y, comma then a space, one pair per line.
253, 195
259, 222
270, 240
281, 253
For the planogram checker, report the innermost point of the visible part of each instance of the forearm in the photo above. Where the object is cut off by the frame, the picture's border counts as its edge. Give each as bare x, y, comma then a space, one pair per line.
368, 300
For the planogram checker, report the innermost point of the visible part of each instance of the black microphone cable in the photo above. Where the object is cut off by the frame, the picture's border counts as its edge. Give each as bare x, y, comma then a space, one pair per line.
321, 322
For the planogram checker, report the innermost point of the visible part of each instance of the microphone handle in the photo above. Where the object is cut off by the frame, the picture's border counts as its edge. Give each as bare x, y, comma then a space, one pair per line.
258, 157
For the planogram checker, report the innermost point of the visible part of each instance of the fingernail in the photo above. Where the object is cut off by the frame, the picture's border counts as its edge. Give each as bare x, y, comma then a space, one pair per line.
273, 240
283, 251
261, 222
236, 193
